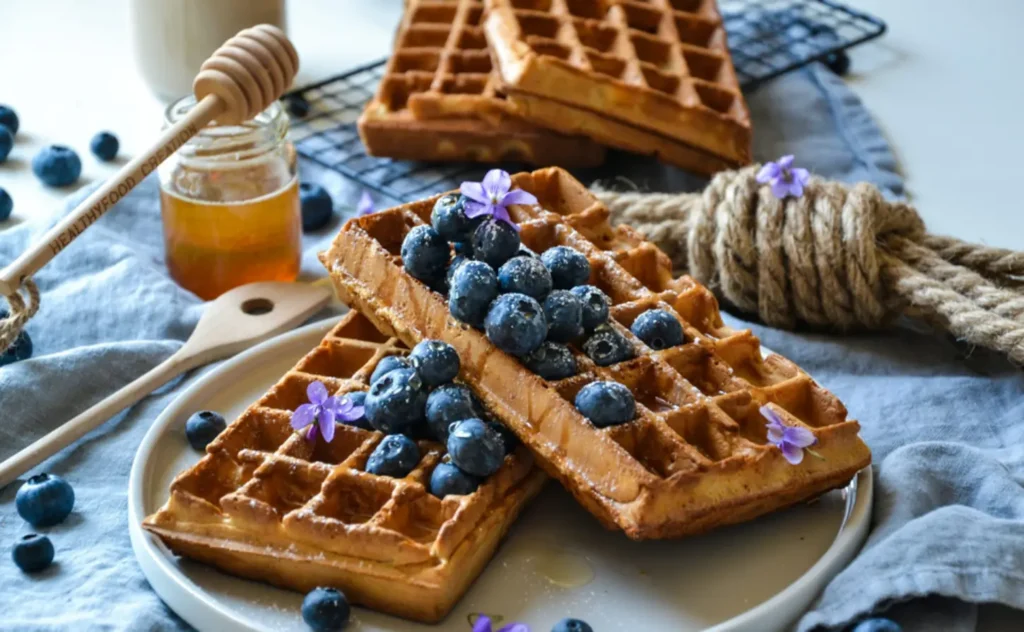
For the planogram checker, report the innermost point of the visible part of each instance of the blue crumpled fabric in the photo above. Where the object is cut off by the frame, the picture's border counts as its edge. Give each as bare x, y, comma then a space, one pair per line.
945, 424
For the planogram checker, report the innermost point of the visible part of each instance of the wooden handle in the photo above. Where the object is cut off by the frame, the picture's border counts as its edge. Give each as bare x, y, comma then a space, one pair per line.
240, 80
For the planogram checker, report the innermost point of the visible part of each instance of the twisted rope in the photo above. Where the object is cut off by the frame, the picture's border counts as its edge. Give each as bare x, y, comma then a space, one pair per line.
837, 257
20, 312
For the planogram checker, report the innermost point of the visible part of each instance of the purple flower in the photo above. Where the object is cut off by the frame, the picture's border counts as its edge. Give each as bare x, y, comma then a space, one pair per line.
483, 624
365, 206
790, 439
785, 179
322, 410
492, 196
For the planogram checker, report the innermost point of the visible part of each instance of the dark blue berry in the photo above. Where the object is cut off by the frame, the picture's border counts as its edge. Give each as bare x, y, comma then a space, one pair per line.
9, 119
551, 361
526, 252
326, 610
515, 324
464, 248
425, 254
395, 456
509, 440
606, 403
658, 329
525, 275
21, 349
564, 312
446, 405
495, 242
572, 625
595, 305
6, 205
317, 206
388, 364
448, 480
6, 143
297, 105
475, 447
396, 402
449, 217
568, 267
878, 624
203, 427
45, 500
104, 146
57, 165
606, 346
33, 552
453, 266
838, 62
358, 398
474, 285
436, 361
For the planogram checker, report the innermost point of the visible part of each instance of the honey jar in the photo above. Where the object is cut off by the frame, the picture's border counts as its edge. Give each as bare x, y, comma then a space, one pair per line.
229, 199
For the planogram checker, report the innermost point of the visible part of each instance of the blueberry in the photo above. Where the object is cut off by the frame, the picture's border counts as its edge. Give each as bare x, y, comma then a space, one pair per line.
564, 313
297, 105
495, 242
509, 440
838, 62
396, 455
396, 401
464, 248
606, 403
449, 217
104, 146
525, 275
57, 165
20, 350
9, 119
878, 624
388, 364
607, 346
425, 253
572, 625
203, 427
448, 480
358, 398
6, 143
436, 361
568, 267
6, 205
515, 324
595, 305
446, 405
33, 553
474, 285
658, 329
475, 447
551, 361
45, 500
326, 610
317, 206
526, 252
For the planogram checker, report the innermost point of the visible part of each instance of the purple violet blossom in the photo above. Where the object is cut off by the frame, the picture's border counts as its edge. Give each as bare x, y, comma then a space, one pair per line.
365, 205
321, 412
483, 624
791, 440
492, 197
785, 179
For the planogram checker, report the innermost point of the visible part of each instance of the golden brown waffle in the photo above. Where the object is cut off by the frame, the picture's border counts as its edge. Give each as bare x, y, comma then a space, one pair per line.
268, 504
660, 66
696, 456
438, 99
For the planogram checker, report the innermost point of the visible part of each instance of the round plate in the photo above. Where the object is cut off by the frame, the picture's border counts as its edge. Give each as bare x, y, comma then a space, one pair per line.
557, 561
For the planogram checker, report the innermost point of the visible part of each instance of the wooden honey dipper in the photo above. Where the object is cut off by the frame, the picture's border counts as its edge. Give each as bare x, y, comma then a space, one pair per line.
240, 80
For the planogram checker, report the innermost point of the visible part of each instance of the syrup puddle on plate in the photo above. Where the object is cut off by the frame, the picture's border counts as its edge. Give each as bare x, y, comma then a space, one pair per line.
562, 568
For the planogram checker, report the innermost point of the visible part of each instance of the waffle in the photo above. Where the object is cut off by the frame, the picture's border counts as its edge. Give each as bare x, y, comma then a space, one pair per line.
657, 66
438, 98
696, 456
266, 503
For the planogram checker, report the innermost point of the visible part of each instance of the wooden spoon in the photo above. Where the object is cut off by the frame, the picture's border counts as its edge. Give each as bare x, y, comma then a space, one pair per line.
237, 320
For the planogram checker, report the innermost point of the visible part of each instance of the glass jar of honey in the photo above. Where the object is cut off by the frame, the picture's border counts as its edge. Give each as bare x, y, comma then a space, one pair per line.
229, 199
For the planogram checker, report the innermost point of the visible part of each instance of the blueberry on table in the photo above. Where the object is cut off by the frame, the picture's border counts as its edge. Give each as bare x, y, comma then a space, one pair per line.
395, 456
447, 404
595, 305
297, 105
474, 285
6, 143
57, 165
9, 119
33, 552
449, 218
44, 500
436, 360
6, 205
396, 402
317, 206
525, 275
606, 346
448, 480
572, 625
326, 610
21, 349
606, 403
203, 427
551, 361
515, 324
658, 329
475, 447
386, 365
425, 254
878, 624
104, 146
568, 267
495, 242
564, 313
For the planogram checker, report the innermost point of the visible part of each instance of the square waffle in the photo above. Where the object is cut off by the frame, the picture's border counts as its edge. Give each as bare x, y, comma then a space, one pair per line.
438, 98
696, 456
268, 504
624, 70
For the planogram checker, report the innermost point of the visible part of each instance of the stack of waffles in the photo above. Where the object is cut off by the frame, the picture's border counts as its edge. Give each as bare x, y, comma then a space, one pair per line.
546, 81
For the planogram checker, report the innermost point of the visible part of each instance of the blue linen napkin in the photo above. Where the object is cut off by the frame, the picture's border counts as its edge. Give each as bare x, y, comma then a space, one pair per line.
946, 425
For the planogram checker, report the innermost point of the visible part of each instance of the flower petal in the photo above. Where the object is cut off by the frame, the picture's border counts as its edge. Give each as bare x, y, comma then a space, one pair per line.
792, 453
475, 191
776, 433
327, 426
786, 161
768, 172
769, 414
501, 213
332, 404
514, 627
365, 206
800, 437
311, 433
326, 416
303, 416
780, 188
482, 624
316, 392
496, 183
796, 188
476, 209
800, 175
518, 196
354, 413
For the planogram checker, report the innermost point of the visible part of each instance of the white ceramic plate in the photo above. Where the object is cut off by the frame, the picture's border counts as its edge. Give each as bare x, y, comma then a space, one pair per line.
556, 562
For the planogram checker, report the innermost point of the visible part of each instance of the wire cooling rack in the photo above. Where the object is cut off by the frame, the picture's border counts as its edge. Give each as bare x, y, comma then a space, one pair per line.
767, 38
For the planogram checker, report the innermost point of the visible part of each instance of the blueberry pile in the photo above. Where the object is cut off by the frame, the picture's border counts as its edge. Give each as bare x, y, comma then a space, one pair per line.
44, 500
